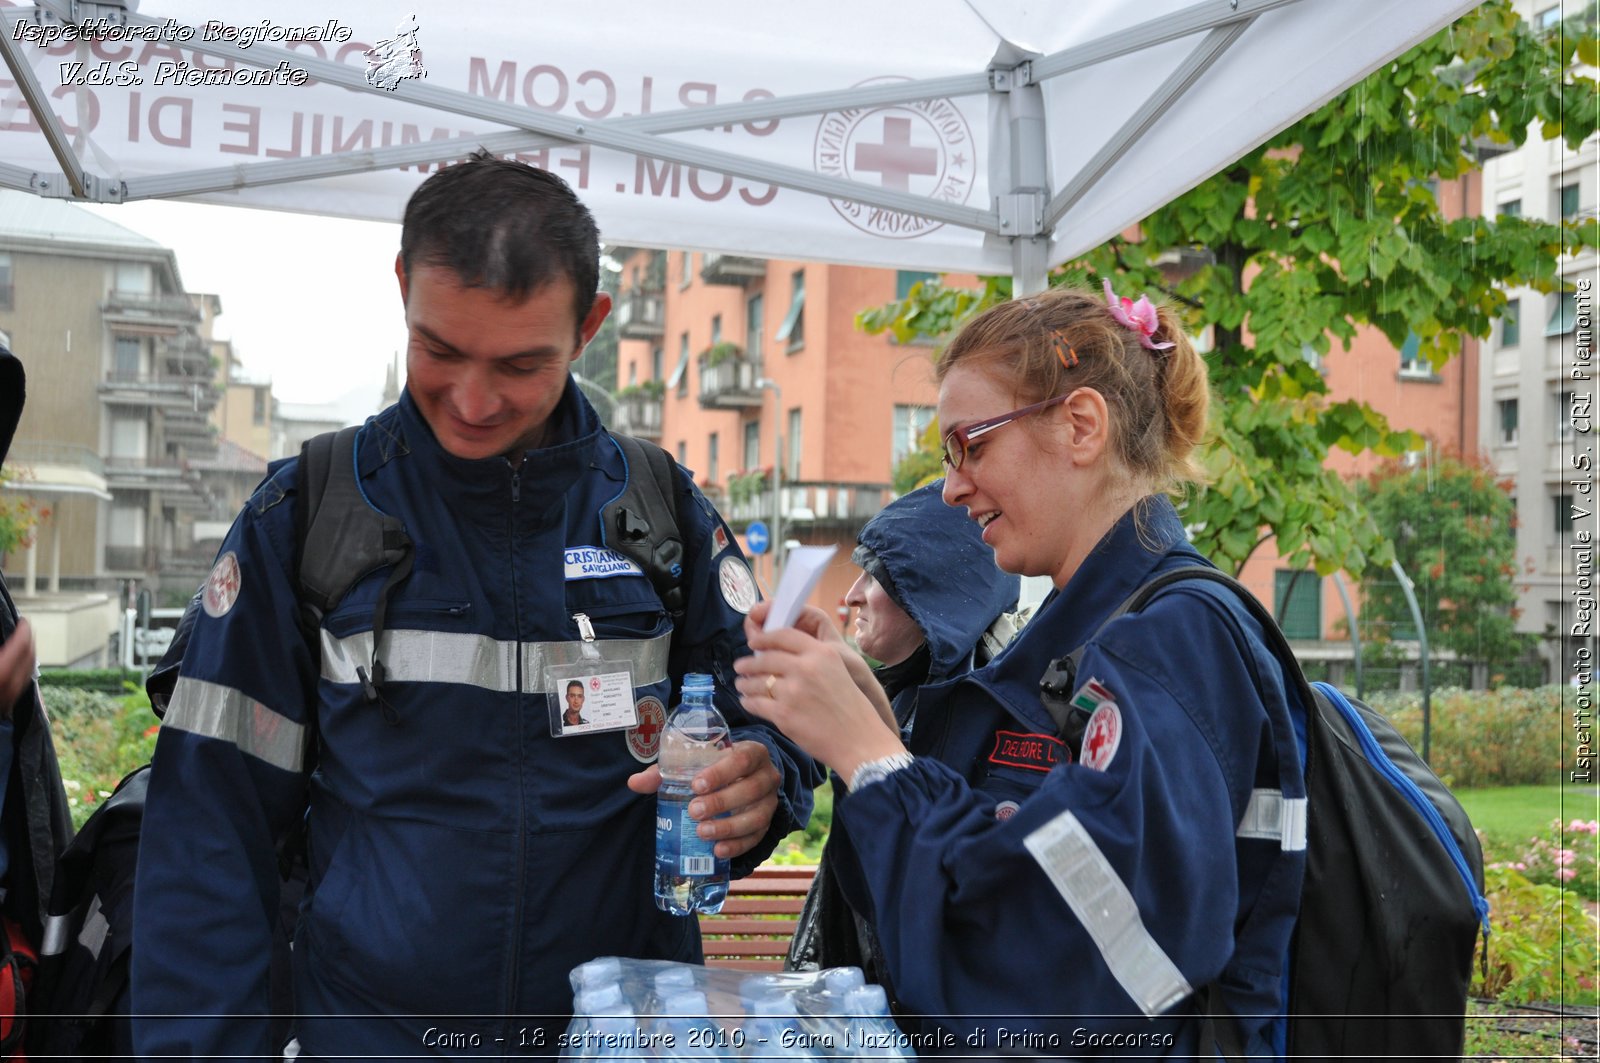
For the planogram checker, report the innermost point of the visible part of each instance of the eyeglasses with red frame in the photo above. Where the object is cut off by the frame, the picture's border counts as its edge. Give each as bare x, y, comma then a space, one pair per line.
957, 440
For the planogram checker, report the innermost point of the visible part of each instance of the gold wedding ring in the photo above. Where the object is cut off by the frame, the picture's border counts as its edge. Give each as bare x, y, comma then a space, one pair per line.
772, 681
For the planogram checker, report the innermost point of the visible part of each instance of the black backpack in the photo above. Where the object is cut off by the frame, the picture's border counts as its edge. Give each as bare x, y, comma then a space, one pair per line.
79, 1006
1393, 898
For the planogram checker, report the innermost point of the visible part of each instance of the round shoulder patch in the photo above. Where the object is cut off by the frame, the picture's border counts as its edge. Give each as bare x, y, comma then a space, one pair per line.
737, 584
1005, 810
222, 586
1102, 736
644, 737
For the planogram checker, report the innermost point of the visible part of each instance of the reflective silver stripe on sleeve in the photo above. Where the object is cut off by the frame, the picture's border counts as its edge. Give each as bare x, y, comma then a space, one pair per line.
224, 713
412, 656
1271, 817
1102, 903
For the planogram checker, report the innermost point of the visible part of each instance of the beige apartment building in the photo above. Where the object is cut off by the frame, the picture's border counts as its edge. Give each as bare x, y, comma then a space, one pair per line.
118, 438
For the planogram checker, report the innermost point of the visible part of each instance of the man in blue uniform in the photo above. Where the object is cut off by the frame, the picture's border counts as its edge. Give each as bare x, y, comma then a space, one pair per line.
451, 818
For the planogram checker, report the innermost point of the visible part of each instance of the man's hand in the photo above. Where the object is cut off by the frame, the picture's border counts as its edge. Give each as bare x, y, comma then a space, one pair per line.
743, 783
16, 666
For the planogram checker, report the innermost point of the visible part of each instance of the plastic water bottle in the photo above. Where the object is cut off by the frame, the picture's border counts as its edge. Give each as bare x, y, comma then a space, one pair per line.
772, 1029
689, 1032
867, 1007
689, 876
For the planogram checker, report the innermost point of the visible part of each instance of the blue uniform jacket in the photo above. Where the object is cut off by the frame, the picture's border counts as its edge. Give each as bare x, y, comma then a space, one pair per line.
463, 859
1043, 903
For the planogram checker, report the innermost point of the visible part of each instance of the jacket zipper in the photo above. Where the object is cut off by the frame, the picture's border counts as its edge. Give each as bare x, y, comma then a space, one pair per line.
522, 805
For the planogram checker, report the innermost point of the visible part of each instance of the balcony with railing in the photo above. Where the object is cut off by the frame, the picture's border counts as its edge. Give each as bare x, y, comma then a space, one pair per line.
639, 411
640, 315
140, 307
727, 380
810, 504
731, 269
167, 390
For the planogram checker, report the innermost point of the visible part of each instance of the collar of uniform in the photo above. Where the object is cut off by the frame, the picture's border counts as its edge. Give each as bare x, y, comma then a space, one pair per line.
568, 449
1124, 559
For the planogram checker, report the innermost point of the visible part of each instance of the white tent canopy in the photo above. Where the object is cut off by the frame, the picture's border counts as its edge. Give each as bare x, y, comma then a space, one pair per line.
966, 135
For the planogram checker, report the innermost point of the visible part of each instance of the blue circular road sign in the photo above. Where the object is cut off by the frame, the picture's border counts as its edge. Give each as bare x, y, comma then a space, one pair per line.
755, 537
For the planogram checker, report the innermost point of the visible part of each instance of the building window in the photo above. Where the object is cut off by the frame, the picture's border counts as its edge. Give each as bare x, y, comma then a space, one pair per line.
1548, 19
680, 375
752, 445
258, 412
1508, 422
683, 453
633, 373
712, 457
7, 300
1412, 363
793, 329
1298, 595
657, 356
1561, 514
133, 278
1511, 324
1564, 317
130, 439
909, 424
125, 365
1511, 208
753, 323
684, 276
1569, 201
1563, 416
716, 329
906, 279
126, 527
793, 471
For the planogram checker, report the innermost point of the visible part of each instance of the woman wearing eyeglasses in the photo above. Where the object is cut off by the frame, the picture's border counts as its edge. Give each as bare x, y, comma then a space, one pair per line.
1074, 889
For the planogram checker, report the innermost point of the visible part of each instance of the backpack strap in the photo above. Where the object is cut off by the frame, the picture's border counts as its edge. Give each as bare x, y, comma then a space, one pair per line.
1060, 679
641, 522
341, 537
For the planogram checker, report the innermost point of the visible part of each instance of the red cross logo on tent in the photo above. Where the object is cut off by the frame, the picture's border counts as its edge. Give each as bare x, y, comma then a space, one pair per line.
895, 159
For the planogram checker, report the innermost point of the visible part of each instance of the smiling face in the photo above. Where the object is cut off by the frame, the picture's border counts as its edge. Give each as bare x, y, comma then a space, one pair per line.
1018, 482
883, 630
574, 701
486, 371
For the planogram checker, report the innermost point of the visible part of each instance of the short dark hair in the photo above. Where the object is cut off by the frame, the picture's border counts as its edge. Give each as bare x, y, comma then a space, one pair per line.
506, 226
575, 683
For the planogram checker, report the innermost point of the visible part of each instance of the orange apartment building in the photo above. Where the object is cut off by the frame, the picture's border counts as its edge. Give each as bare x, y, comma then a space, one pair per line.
713, 347
718, 355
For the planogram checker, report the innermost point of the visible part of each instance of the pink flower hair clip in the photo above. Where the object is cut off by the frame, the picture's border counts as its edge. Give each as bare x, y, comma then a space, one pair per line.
1139, 316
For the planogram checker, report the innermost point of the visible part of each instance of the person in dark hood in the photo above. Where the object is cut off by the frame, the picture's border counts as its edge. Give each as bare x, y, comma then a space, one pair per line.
930, 604
35, 825
928, 592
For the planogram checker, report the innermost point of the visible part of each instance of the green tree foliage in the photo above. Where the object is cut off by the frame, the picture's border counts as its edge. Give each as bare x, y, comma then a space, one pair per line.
1451, 525
1329, 226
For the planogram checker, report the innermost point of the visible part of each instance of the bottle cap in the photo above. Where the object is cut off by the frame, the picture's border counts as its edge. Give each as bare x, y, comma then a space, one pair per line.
685, 1003
842, 979
599, 972
866, 1000
597, 1000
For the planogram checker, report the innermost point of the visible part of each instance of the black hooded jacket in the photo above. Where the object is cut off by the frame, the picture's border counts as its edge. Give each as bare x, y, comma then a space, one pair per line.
37, 823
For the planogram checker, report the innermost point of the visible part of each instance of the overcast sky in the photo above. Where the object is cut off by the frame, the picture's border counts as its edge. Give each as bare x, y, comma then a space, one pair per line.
310, 302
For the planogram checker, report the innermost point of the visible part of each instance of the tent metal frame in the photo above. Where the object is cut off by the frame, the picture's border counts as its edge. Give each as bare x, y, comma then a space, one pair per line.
1025, 211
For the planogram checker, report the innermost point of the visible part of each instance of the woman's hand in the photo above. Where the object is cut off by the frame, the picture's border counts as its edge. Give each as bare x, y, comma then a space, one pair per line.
803, 680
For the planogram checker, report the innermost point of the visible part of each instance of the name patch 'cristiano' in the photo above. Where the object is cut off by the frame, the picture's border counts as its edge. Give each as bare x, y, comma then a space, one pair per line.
595, 562
1034, 752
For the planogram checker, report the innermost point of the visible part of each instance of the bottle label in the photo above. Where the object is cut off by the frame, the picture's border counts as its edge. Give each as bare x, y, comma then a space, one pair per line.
678, 846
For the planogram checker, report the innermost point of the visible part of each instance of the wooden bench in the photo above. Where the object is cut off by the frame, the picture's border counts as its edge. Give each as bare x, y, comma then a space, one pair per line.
752, 931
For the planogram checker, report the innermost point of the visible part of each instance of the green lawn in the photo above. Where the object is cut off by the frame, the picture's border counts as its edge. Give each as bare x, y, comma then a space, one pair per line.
1510, 815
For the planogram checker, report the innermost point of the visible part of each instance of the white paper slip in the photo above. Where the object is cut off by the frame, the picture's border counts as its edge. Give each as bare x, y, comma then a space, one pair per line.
801, 571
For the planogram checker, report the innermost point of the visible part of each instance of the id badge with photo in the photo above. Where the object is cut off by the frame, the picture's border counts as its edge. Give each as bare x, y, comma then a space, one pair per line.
591, 695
